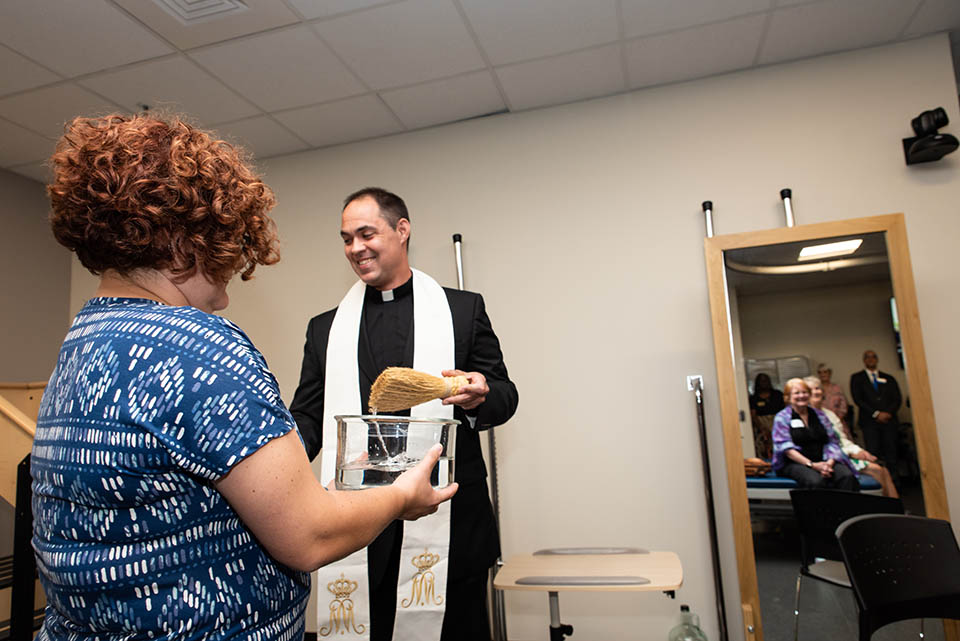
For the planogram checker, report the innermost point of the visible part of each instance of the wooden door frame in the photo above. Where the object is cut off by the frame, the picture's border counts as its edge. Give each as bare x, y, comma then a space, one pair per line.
921, 402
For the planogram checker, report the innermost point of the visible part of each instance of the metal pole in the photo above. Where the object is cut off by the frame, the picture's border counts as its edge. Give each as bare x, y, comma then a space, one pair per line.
558, 631
787, 207
695, 383
708, 215
497, 606
456, 250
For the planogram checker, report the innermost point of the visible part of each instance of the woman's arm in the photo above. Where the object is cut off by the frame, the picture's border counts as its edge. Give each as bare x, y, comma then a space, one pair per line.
846, 445
780, 433
833, 450
305, 526
824, 467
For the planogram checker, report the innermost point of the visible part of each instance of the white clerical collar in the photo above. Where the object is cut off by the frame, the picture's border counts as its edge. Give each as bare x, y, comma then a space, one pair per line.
377, 296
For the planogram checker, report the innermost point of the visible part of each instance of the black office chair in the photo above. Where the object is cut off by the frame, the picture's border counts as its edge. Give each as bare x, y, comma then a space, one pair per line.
818, 514
901, 567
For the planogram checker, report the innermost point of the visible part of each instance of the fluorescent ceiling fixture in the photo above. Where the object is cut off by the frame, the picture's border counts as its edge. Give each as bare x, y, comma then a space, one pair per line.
189, 12
842, 248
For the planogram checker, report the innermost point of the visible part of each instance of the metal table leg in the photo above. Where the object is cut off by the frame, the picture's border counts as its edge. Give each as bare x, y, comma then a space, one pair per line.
558, 631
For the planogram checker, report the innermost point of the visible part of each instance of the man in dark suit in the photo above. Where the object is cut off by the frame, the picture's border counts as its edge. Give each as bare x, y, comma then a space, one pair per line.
877, 397
376, 230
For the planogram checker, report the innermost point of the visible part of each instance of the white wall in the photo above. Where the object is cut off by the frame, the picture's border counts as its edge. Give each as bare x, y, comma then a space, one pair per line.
582, 227
34, 299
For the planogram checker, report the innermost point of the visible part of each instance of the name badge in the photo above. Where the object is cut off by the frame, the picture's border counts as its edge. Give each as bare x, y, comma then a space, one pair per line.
881, 380
796, 422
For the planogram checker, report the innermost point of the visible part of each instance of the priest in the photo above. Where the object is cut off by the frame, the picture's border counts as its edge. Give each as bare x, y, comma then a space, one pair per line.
398, 316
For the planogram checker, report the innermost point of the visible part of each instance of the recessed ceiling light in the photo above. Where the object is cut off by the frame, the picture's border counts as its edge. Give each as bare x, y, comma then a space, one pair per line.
828, 250
191, 12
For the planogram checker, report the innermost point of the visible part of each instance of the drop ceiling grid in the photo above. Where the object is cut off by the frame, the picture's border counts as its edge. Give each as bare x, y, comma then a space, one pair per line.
404, 64
403, 44
175, 83
73, 38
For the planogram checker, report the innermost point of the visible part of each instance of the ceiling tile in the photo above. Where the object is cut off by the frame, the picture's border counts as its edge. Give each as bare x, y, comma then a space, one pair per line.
74, 38
262, 136
173, 83
38, 171
835, 25
515, 30
645, 17
402, 44
934, 16
311, 9
440, 101
21, 146
17, 73
259, 16
566, 78
281, 69
693, 53
47, 110
343, 121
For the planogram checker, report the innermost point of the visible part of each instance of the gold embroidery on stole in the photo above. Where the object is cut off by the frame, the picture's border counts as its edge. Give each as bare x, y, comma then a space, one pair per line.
341, 608
423, 585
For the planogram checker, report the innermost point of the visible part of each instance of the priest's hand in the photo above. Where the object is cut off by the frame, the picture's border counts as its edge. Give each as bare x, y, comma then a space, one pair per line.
470, 395
419, 498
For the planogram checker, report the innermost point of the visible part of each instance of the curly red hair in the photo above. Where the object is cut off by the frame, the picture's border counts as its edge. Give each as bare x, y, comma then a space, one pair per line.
137, 191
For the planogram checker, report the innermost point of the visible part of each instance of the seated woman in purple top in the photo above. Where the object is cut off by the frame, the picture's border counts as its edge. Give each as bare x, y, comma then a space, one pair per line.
805, 448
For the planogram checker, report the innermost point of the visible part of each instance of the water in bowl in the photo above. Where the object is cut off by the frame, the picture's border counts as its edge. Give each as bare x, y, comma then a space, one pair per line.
362, 474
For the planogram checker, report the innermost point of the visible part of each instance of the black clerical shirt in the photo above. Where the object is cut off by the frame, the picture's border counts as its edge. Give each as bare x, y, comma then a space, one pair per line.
386, 335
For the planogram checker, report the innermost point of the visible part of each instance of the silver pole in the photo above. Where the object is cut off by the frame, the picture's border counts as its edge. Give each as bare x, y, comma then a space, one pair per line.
708, 215
456, 249
554, 609
787, 208
497, 607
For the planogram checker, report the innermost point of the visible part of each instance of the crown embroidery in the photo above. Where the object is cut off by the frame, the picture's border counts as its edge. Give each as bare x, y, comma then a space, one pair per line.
341, 609
423, 585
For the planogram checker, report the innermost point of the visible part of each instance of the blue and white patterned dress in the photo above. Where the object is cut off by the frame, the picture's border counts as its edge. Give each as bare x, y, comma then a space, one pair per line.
147, 407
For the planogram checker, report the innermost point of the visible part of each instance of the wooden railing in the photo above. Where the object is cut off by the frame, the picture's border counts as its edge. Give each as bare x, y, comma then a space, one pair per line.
25, 396
19, 404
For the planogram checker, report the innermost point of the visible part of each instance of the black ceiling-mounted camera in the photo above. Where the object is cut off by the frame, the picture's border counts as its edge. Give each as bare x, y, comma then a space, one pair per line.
928, 145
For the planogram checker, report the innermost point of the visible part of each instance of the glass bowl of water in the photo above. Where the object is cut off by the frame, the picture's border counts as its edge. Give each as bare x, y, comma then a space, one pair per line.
373, 450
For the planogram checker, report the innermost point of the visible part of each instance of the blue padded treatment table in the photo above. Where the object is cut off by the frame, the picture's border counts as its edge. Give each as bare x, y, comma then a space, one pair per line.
773, 487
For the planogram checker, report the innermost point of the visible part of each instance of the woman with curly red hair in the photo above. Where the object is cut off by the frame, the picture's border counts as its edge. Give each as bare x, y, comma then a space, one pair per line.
173, 498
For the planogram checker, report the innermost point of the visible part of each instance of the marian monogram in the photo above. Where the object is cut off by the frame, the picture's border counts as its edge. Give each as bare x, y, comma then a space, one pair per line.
423, 586
341, 608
